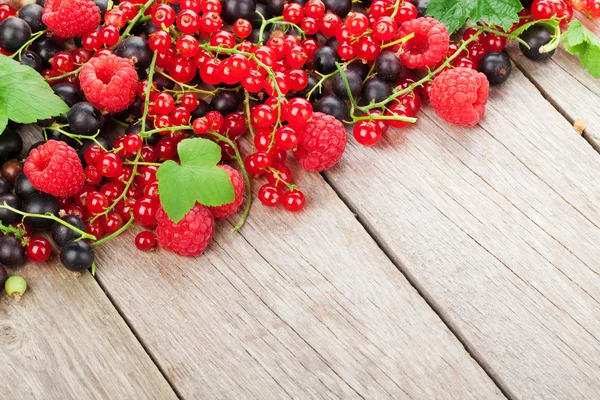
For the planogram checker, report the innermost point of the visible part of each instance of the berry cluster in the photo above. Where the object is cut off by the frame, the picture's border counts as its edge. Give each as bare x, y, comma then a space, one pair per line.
285, 74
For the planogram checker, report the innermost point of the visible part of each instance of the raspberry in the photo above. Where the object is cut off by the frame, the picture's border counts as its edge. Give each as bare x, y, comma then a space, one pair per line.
54, 168
459, 96
190, 236
323, 142
70, 18
224, 211
428, 47
109, 82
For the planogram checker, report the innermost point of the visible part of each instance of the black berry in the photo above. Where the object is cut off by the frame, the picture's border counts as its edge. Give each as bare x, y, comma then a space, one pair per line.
68, 93
354, 83
275, 6
77, 256
61, 234
325, 59
136, 49
333, 105
12, 253
32, 60
388, 66
375, 90
339, 7
4, 185
256, 19
11, 145
224, 102
14, 33
333, 43
3, 275
536, 37
202, 109
84, 118
236, 9
496, 66
360, 68
40, 203
316, 94
23, 187
46, 48
11, 169
32, 14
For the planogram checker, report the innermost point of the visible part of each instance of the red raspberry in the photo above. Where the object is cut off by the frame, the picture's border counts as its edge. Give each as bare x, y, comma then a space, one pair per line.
70, 18
459, 96
323, 142
428, 47
224, 211
109, 82
190, 236
54, 168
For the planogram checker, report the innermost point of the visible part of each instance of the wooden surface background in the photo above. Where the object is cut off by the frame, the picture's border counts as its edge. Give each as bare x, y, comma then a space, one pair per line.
442, 263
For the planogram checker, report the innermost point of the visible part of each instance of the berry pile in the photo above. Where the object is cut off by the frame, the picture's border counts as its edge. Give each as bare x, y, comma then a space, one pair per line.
286, 74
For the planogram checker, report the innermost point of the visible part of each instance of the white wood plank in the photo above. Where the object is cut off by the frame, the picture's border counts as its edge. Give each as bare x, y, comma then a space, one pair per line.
302, 306
65, 340
498, 226
567, 84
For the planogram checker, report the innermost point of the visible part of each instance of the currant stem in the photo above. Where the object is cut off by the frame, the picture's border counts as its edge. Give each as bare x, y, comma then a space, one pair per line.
84, 235
116, 233
134, 21
148, 90
74, 72
247, 109
33, 38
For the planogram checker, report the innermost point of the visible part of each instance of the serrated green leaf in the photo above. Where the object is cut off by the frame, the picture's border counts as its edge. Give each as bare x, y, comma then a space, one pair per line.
196, 179
454, 13
3, 116
580, 40
26, 95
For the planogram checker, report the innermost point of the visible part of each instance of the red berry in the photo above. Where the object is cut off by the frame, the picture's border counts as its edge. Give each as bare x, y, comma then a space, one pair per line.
493, 43
144, 211
406, 12
163, 103
188, 22
38, 249
242, 28
182, 70
159, 41
293, 201
286, 138
385, 28
356, 23
367, 133
110, 165
96, 202
263, 116
542, 9
269, 195
189, 101
297, 112
109, 36
132, 143
257, 163
187, 46
112, 222
330, 23
293, 13
145, 241
279, 176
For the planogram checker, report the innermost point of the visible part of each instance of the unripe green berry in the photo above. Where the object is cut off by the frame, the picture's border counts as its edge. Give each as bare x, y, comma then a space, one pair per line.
15, 287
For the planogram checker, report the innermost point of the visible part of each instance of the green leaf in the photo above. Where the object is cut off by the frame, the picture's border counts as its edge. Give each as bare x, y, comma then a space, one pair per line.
196, 179
454, 13
580, 40
25, 94
3, 116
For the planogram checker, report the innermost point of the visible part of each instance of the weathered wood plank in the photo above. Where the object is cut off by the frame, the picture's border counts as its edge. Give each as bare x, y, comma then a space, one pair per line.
498, 226
302, 306
65, 340
567, 84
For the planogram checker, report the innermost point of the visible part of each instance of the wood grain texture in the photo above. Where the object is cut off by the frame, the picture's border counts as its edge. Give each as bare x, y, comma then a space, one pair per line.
498, 225
65, 340
294, 306
564, 82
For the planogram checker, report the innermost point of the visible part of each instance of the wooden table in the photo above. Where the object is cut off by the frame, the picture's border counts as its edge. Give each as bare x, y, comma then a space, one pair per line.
443, 263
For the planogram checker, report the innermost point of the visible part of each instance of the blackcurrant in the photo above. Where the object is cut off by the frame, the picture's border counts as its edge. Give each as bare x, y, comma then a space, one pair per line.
163, 82
145, 29
275, 6
46, 48
254, 35
332, 105
12, 253
102, 5
496, 66
256, 19
316, 94
354, 83
333, 43
4, 185
136, 49
61, 234
375, 90
339, 7
14, 33
224, 102
36, 144
388, 66
11, 144
23, 187
360, 68
202, 109
40, 203
32, 14
536, 37
421, 7
325, 59
236, 9
526, 3
84, 118
11, 169
32, 60
77, 256
68, 92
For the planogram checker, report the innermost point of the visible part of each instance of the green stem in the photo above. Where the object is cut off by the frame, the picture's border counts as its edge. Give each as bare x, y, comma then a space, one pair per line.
247, 109
84, 235
78, 138
114, 234
240, 162
33, 38
74, 72
189, 88
128, 162
134, 21
399, 41
148, 90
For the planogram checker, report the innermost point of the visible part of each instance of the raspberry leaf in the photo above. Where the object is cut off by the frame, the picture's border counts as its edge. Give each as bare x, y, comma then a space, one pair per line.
580, 40
454, 13
25, 95
196, 179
